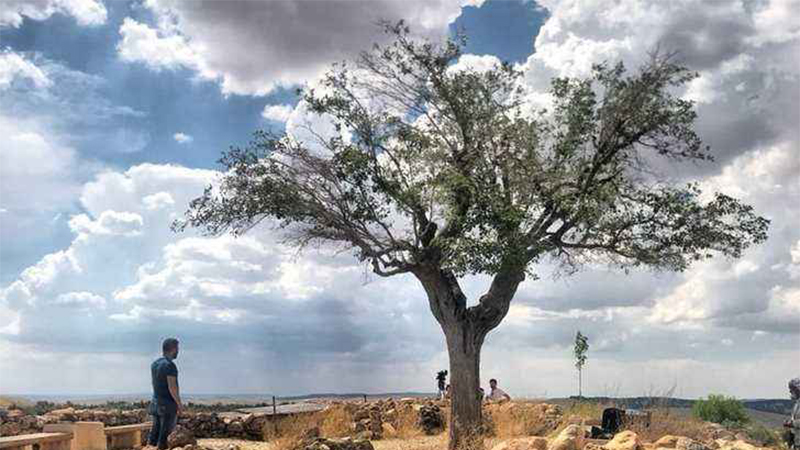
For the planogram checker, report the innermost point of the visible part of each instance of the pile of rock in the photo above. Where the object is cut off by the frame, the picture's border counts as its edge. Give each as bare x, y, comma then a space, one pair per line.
108, 418
573, 438
181, 437
368, 422
431, 420
375, 420
211, 425
203, 425
15, 422
311, 440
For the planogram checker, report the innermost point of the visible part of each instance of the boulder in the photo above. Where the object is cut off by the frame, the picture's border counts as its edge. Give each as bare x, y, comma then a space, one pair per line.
570, 438
668, 441
181, 437
715, 431
529, 443
64, 415
678, 443
725, 444
627, 440
235, 427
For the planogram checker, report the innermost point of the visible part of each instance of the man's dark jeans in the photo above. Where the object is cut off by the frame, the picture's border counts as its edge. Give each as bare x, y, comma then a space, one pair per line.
164, 421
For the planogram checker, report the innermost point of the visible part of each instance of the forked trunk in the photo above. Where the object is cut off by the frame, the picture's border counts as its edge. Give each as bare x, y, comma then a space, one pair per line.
465, 409
465, 330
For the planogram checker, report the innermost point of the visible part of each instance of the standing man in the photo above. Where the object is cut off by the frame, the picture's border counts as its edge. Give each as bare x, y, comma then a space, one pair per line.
497, 394
441, 379
166, 403
793, 424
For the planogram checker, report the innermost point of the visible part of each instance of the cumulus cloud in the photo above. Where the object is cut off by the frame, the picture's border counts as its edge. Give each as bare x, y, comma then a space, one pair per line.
276, 319
229, 42
182, 138
85, 12
744, 75
277, 113
141, 282
741, 97
141, 43
36, 169
81, 300
15, 66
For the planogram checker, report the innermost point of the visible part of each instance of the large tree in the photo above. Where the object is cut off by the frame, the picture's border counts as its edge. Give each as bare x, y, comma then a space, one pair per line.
442, 171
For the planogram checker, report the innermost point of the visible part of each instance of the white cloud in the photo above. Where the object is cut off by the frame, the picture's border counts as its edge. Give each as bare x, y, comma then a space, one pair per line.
478, 63
109, 223
15, 66
141, 281
277, 113
141, 43
249, 303
85, 12
158, 200
774, 22
80, 300
745, 74
229, 42
37, 171
182, 138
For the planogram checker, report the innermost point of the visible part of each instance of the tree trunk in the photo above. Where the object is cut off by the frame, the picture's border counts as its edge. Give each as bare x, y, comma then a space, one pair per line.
465, 408
465, 329
580, 383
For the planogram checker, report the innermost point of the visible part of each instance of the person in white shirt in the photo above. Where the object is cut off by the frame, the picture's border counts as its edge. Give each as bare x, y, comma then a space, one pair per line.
793, 424
497, 394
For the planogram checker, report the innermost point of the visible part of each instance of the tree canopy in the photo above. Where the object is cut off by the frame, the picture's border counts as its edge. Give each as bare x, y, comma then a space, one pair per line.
454, 168
442, 170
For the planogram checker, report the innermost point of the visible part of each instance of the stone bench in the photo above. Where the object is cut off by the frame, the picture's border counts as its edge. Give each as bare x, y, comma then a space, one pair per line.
44, 441
125, 436
85, 435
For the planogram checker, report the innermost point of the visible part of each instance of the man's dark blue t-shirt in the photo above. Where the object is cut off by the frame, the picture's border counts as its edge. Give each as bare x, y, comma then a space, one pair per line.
160, 370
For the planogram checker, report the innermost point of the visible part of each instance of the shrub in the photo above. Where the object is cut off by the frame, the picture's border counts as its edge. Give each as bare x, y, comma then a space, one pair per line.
765, 437
664, 421
720, 409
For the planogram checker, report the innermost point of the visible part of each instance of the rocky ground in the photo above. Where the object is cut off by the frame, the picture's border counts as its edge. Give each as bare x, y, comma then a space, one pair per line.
396, 424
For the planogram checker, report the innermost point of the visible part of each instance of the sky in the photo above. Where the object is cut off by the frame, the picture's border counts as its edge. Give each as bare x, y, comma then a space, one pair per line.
113, 115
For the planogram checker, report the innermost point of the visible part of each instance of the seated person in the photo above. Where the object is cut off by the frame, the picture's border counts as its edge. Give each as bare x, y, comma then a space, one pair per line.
497, 394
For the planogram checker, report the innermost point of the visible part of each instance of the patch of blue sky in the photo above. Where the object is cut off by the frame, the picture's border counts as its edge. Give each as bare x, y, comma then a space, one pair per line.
158, 103
503, 28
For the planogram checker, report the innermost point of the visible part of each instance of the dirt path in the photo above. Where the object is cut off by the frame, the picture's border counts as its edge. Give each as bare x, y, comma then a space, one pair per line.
420, 443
